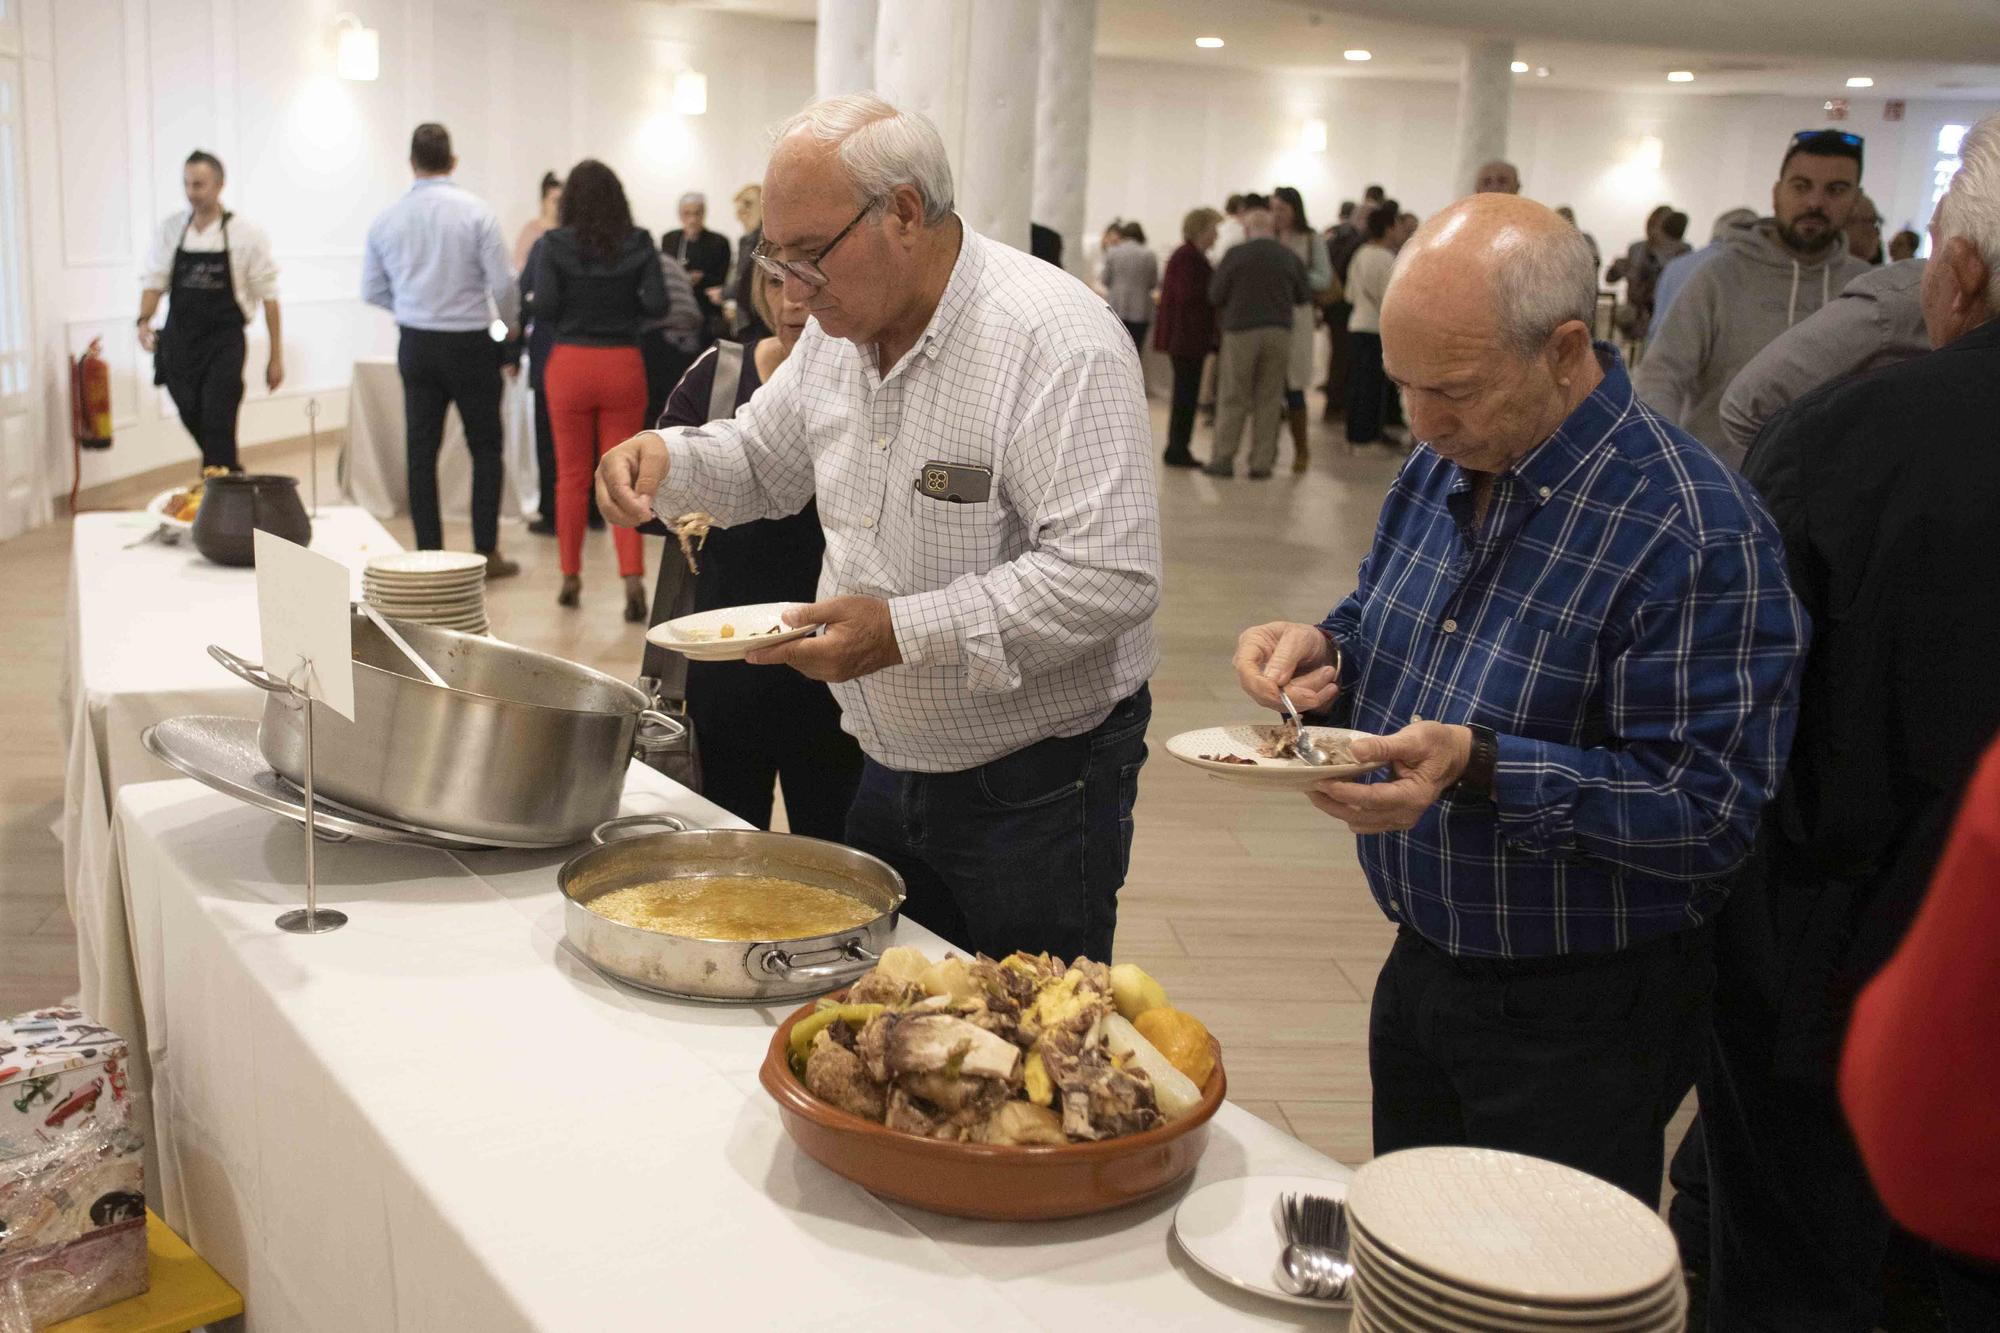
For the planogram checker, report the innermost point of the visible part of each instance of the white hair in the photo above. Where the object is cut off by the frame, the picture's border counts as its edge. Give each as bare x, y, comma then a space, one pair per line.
882, 148
1971, 207
1540, 283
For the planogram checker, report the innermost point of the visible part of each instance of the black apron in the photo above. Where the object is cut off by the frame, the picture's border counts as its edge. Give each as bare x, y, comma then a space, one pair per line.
203, 317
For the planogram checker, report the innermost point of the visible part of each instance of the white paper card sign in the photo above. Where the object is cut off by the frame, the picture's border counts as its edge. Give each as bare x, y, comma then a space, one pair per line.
302, 605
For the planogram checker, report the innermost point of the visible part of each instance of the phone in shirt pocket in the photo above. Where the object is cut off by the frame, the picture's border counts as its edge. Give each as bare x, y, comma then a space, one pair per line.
955, 483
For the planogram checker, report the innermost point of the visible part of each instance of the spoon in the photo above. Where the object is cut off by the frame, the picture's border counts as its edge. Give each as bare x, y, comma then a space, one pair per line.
1302, 741
390, 634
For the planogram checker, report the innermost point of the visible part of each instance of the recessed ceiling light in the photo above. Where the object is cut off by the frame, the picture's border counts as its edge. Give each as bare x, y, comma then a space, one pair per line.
1208, 43
1520, 67
1541, 71
1358, 55
1861, 81
1680, 76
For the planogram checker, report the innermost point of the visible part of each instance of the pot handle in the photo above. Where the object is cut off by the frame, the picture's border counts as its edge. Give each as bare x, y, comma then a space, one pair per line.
675, 823
658, 731
851, 959
249, 671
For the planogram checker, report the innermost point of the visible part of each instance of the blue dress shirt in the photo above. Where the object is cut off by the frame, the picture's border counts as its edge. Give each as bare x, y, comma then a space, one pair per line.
435, 260
1623, 622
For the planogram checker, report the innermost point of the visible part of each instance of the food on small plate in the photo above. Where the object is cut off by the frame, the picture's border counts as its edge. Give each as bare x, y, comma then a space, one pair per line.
1023, 1050
1282, 742
734, 907
727, 631
1230, 759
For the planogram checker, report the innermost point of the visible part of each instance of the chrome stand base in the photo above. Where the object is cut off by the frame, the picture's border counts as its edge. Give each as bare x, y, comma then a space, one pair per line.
301, 922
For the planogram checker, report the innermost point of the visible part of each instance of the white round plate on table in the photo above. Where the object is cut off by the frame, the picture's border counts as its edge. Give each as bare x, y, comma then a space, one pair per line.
1241, 742
699, 637
427, 563
157, 507
1230, 1228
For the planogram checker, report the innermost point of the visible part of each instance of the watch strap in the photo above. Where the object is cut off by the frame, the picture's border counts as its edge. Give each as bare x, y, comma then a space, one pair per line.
1476, 782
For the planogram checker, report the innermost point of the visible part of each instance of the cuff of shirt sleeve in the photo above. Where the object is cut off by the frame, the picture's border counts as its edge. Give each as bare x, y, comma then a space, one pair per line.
677, 494
954, 626
1534, 796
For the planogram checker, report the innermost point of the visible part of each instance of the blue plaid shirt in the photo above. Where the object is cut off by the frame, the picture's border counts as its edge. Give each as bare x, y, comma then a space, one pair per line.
1622, 621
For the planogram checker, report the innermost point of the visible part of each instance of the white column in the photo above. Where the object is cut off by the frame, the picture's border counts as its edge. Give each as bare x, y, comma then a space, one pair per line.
919, 62
1485, 101
1062, 121
844, 48
997, 155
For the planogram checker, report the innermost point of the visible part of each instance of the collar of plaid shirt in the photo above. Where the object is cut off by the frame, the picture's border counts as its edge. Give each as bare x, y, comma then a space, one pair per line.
1623, 622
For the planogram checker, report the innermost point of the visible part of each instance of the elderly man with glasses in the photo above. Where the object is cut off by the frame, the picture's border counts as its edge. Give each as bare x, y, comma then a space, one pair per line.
973, 425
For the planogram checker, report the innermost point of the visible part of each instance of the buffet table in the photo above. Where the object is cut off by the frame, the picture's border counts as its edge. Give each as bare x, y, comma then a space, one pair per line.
140, 622
374, 466
438, 1117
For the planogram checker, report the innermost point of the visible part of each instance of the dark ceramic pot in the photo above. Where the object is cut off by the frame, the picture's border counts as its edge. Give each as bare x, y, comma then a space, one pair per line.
234, 506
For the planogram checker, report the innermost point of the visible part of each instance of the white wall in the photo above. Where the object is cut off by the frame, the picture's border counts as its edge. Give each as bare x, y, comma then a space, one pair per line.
1167, 137
119, 91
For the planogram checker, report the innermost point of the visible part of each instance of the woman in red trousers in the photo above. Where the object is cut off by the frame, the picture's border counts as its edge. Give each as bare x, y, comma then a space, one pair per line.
597, 282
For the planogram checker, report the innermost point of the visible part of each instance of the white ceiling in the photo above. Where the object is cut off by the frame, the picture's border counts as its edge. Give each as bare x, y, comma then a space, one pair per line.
1809, 48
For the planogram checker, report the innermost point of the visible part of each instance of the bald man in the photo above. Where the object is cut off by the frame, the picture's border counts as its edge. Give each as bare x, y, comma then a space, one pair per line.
1497, 177
1576, 655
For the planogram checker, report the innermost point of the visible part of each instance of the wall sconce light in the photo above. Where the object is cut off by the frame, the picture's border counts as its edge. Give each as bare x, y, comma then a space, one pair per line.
691, 93
357, 51
1312, 135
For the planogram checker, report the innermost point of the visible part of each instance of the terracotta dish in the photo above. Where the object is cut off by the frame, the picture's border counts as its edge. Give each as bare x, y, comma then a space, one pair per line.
1014, 1184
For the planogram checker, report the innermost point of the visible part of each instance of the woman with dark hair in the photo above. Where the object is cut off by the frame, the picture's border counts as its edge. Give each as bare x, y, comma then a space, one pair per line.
597, 281
769, 726
1288, 211
1186, 329
1368, 272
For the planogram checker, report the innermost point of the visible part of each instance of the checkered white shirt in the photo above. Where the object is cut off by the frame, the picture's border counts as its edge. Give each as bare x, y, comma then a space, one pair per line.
1020, 618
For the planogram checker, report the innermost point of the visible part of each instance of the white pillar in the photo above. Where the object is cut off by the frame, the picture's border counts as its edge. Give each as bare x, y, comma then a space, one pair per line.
997, 153
919, 62
844, 48
1485, 101
1062, 121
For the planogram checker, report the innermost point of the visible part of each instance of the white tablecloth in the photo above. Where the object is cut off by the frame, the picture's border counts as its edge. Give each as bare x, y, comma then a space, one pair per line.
437, 1117
374, 466
140, 622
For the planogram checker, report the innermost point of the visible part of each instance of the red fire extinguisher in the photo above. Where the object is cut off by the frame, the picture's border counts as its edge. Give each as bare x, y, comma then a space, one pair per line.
90, 397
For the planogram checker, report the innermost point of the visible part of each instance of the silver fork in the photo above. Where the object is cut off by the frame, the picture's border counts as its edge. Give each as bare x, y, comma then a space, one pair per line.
1314, 1261
1302, 741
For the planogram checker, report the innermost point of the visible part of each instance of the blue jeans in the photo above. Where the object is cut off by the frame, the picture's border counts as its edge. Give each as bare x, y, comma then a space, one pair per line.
1027, 851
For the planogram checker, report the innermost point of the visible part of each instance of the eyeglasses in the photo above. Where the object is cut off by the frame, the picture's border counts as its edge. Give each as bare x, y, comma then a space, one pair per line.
808, 270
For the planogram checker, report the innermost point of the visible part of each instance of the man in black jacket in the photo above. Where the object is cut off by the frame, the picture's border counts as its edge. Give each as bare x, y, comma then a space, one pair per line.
705, 256
1886, 489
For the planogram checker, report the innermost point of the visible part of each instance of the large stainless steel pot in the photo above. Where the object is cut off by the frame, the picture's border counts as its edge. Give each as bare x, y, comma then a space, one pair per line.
518, 748
731, 971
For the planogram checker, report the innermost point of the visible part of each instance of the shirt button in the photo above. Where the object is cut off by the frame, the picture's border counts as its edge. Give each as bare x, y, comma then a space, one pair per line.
1450, 626
881, 442
1395, 906
1545, 492
867, 522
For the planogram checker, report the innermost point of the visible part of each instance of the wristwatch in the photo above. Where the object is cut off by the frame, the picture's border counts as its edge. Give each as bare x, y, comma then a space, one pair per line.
1476, 782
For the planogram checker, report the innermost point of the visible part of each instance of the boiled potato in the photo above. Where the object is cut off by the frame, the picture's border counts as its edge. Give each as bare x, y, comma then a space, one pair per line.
1133, 991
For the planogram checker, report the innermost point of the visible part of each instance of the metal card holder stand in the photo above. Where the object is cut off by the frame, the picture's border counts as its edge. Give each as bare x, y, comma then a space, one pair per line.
312, 468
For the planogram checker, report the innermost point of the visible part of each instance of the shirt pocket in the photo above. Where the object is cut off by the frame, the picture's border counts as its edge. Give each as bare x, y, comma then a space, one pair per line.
949, 541
1529, 680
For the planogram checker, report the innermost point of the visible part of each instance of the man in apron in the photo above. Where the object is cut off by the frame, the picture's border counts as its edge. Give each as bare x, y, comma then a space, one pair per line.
217, 268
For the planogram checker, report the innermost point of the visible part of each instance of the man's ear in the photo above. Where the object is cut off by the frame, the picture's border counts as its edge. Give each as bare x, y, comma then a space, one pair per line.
1969, 274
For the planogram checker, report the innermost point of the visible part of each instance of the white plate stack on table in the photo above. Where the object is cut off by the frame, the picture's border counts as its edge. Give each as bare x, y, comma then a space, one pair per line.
1470, 1240
444, 588
728, 633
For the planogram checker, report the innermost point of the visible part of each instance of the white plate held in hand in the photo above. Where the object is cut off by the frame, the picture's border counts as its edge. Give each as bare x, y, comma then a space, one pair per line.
1241, 742
700, 637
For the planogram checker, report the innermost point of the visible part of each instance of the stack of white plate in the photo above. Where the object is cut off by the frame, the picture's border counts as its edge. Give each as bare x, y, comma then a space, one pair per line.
444, 588
1450, 1240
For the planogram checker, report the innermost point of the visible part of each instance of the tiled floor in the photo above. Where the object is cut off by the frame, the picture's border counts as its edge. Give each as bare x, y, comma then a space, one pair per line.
1249, 907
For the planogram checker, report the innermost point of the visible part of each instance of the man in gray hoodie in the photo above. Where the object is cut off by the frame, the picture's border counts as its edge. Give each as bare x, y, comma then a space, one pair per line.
1761, 281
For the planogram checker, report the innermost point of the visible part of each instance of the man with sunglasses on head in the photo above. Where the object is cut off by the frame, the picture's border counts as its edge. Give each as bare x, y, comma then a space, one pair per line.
973, 425
1762, 280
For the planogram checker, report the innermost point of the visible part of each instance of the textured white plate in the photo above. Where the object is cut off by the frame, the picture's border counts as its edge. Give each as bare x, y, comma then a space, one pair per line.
1512, 1226
1423, 1302
157, 507
427, 562
1243, 740
1229, 1229
695, 636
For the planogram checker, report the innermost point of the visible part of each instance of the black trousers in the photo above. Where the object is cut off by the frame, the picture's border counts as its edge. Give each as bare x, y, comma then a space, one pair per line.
439, 370
1137, 328
1338, 353
205, 380
545, 455
1187, 394
665, 364
1580, 1059
765, 725
1367, 387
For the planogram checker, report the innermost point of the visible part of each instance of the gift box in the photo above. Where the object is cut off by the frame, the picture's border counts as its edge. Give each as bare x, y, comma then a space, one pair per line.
72, 1182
